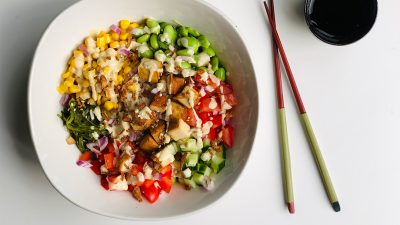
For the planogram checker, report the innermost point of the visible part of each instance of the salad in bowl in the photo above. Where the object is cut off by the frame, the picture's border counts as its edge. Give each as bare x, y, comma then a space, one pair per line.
148, 104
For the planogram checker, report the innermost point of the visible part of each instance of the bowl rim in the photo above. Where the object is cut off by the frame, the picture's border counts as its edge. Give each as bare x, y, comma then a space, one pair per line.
110, 215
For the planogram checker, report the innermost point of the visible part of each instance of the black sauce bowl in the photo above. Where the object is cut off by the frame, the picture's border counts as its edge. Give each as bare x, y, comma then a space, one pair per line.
340, 22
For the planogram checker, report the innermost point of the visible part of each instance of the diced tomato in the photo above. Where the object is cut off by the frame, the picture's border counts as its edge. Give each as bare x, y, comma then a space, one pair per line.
211, 135
166, 169
147, 183
86, 156
198, 79
110, 147
150, 191
217, 120
96, 167
224, 89
227, 136
109, 160
204, 105
230, 99
130, 187
191, 118
135, 169
104, 182
165, 184
140, 158
112, 178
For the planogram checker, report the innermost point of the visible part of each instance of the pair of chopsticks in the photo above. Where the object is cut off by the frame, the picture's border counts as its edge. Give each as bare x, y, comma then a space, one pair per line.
285, 155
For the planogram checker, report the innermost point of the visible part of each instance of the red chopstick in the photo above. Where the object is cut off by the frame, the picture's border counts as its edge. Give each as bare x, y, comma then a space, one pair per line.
323, 171
283, 135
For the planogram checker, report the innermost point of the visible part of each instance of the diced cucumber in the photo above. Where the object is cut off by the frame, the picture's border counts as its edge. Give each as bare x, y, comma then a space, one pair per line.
190, 145
190, 182
218, 161
191, 159
203, 169
206, 143
198, 178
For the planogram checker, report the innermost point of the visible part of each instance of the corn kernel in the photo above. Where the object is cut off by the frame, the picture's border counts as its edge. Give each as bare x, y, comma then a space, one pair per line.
71, 69
133, 26
108, 105
127, 69
101, 63
77, 52
85, 83
101, 42
106, 70
120, 79
107, 38
74, 89
114, 44
62, 88
123, 36
66, 75
122, 43
102, 33
114, 36
115, 105
124, 24
68, 82
132, 87
72, 62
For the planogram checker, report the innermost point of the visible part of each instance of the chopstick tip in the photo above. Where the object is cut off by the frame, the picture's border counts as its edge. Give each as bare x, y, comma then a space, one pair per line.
291, 207
336, 206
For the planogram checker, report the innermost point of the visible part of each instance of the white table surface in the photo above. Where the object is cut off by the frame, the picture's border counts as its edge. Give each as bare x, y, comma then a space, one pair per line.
353, 98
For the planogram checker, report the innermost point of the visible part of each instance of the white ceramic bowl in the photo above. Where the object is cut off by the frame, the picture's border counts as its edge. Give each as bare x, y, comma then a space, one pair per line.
80, 185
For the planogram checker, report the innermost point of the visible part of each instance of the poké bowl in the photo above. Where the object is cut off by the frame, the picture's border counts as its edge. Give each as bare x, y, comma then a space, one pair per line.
58, 160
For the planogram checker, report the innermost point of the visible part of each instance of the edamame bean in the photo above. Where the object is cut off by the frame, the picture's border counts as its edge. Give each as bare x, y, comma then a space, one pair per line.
185, 52
154, 42
220, 73
189, 42
163, 25
160, 56
204, 42
185, 65
193, 31
214, 63
171, 33
162, 44
151, 23
210, 51
147, 54
137, 31
183, 32
144, 38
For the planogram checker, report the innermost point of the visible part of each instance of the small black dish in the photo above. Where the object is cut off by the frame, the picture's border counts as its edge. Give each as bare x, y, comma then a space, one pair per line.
340, 22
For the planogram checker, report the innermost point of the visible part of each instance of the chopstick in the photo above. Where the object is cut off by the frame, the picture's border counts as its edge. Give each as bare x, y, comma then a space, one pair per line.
323, 171
285, 154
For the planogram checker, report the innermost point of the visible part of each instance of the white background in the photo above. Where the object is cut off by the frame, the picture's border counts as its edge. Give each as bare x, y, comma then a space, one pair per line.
352, 95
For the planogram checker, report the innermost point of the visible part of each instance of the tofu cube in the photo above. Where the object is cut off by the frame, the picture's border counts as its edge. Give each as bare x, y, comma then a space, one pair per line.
178, 129
158, 132
159, 103
188, 97
150, 70
178, 111
148, 143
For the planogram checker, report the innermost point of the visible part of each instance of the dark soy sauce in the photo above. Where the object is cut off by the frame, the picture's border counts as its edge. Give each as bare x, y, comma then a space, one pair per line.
340, 22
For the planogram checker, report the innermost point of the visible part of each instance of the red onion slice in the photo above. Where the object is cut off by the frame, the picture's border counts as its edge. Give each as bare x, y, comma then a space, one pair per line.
84, 50
82, 163
102, 143
125, 52
64, 100
133, 136
92, 147
133, 72
115, 28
